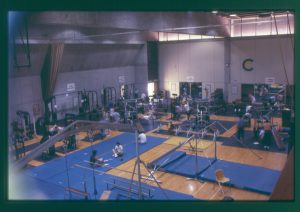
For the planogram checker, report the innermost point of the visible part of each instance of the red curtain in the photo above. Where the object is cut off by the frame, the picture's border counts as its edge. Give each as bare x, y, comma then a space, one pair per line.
50, 69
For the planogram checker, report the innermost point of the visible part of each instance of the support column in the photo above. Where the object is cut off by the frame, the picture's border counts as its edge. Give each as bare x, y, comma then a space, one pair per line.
227, 68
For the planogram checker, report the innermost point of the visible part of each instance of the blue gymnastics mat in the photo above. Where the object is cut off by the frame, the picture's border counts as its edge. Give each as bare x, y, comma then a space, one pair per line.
104, 149
31, 188
184, 164
164, 161
243, 176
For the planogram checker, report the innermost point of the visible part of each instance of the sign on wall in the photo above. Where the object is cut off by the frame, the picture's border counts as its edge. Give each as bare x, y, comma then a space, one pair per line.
270, 80
234, 90
190, 78
121, 79
37, 111
71, 87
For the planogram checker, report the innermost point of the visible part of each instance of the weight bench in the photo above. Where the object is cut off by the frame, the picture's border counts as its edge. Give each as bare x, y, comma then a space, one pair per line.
71, 190
105, 195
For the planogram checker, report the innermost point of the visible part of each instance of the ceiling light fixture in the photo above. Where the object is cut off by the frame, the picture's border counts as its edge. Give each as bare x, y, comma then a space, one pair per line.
214, 11
232, 15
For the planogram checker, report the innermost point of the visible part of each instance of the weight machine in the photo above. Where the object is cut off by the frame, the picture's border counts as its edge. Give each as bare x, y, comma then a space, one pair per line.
87, 101
109, 96
27, 126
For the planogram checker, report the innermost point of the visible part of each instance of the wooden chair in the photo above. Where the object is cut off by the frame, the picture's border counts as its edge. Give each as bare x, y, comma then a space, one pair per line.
221, 179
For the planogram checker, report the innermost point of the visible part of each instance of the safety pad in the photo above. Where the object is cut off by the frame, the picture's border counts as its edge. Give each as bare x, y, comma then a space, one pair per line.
244, 176
186, 165
168, 159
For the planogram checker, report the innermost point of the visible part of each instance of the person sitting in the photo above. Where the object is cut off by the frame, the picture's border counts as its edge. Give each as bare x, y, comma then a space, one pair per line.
142, 139
95, 160
55, 129
171, 127
118, 150
115, 117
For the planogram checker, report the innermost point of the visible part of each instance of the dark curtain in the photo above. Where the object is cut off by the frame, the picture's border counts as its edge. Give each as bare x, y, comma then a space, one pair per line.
50, 71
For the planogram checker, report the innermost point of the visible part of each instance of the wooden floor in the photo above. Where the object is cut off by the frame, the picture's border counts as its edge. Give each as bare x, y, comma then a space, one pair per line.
200, 190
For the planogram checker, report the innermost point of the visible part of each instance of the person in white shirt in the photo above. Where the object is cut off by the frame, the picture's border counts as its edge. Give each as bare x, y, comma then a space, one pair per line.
118, 150
187, 110
142, 138
252, 98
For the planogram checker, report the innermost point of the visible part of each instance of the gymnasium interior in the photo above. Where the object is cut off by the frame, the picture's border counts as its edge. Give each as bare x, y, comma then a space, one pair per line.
202, 104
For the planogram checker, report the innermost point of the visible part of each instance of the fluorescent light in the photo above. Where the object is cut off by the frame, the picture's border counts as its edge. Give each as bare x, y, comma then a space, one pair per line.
232, 15
214, 11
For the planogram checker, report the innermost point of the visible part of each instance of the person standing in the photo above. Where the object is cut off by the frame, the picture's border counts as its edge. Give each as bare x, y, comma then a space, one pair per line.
241, 129
187, 110
252, 98
267, 139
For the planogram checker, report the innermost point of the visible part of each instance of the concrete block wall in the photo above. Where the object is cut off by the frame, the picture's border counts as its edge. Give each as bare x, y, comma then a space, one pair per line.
90, 80
24, 93
203, 60
267, 62
208, 61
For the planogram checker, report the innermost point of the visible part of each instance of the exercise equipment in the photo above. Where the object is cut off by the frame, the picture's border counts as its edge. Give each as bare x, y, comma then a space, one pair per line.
109, 97
88, 101
128, 91
27, 126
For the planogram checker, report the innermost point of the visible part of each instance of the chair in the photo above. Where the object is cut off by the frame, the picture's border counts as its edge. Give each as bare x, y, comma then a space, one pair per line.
221, 179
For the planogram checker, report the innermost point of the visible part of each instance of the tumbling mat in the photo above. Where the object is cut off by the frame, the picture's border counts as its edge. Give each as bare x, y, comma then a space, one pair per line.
104, 149
83, 180
244, 176
183, 164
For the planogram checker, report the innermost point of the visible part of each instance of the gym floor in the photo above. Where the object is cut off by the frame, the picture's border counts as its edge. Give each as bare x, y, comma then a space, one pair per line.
200, 190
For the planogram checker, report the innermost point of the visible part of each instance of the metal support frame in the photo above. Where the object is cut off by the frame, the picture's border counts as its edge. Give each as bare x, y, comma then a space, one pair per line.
137, 165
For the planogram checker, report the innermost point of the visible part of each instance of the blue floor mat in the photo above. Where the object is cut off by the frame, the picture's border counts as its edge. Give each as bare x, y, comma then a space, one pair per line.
26, 187
104, 149
186, 165
249, 143
96, 137
170, 158
82, 179
243, 176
